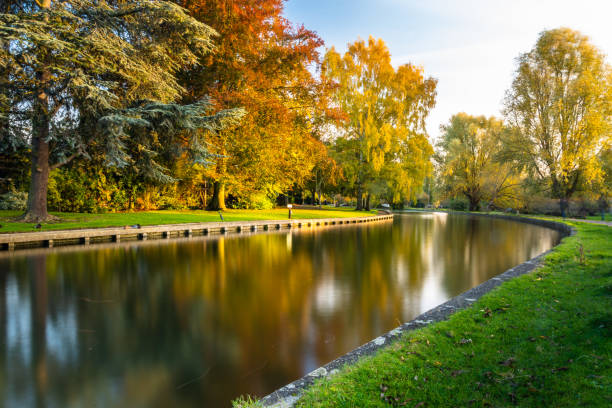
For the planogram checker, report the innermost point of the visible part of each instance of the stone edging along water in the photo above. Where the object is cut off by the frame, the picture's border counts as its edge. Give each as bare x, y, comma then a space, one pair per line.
288, 395
85, 236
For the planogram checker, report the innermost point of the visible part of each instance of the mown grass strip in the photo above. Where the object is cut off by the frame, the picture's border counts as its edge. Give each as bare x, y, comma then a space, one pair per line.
542, 339
79, 220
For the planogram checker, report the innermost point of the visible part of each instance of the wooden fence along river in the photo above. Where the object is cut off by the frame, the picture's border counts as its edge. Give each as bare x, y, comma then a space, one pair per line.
86, 236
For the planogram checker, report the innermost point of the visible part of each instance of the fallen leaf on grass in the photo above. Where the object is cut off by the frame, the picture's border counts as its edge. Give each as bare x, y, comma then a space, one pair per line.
508, 362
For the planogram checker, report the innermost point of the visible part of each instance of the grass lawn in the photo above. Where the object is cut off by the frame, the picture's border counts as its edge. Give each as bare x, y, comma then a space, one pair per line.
541, 340
608, 217
77, 220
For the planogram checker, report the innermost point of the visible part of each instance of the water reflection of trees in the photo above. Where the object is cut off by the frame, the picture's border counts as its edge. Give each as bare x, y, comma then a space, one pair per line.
201, 322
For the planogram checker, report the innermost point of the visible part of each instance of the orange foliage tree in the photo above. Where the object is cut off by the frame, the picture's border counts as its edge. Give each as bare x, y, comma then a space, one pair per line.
265, 64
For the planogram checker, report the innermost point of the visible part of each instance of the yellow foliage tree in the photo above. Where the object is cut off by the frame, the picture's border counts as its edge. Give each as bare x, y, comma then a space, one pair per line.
384, 137
468, 162
559, 107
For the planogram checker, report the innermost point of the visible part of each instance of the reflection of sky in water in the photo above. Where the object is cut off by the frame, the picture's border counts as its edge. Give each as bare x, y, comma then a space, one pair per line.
61, 336
432, 292
202, 321
329, 296
18, 322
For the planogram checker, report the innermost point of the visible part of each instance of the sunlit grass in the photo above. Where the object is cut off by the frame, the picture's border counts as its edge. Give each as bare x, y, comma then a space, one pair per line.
78, 220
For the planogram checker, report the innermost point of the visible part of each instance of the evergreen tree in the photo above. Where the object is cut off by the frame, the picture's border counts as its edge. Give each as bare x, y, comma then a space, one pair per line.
85, 75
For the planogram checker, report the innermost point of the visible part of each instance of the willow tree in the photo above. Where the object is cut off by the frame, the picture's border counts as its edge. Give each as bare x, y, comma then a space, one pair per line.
384, 137
560, 107
469, 160
84, 75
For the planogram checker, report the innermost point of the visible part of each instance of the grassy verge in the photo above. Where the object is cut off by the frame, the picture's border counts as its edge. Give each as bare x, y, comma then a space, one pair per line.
75, 220
607, 217
542, 339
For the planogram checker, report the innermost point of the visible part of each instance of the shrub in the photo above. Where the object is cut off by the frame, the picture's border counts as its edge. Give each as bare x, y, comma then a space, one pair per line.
459, 204
170, 202
579, 207
14, 200
259, 201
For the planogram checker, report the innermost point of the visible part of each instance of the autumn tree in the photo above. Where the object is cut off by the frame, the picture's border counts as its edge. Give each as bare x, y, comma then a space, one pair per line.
325, 173
82, 75
384, 137
559, 107
262, 62
468, 160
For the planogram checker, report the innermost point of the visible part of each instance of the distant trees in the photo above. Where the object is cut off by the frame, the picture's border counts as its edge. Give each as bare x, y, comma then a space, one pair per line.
556, 136
382, 147
469, 162
80, 76
559, 109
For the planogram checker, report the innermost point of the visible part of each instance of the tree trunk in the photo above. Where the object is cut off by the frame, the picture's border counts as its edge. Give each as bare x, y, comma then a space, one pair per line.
474, 204
563, 207
367, 206
359, 198
217, 202
39, 181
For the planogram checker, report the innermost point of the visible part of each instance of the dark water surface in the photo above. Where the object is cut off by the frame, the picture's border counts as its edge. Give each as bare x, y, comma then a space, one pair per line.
196, 323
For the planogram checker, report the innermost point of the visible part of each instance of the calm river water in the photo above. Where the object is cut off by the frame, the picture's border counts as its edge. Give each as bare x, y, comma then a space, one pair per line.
196, 323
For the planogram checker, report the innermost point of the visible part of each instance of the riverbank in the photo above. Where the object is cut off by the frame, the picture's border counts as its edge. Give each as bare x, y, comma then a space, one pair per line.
69, 221
86, 236
542, 339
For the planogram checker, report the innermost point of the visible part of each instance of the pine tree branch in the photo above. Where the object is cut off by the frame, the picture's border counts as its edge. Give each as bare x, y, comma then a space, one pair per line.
125, 13
66, 160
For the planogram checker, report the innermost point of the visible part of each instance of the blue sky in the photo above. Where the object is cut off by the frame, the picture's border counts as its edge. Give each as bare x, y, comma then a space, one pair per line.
470, 46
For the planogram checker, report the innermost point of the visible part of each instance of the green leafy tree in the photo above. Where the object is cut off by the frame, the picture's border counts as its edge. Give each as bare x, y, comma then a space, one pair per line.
559, 107
81, 75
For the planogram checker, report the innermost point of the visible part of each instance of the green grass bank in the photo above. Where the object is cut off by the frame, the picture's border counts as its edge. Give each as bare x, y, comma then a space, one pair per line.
78, 220
540, 340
